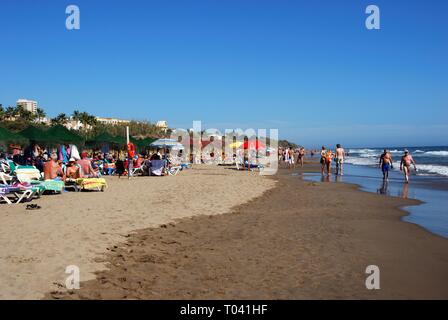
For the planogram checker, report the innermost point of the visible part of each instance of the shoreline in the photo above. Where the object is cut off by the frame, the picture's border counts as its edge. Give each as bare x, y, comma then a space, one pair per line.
260, 250
429, 213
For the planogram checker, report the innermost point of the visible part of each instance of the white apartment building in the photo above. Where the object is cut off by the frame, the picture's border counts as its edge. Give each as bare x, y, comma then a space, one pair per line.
111, 120
28, 105
162, 124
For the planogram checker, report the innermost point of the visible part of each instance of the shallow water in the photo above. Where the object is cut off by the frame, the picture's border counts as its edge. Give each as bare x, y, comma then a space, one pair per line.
432, 214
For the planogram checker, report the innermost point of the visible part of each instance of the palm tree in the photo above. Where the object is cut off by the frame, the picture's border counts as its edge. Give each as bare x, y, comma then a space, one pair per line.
76, 115
87, 119
40, 114
59, 119
10, 112
24, 114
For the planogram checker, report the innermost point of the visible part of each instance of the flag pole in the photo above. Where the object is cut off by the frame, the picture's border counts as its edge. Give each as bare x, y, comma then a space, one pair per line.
129, 160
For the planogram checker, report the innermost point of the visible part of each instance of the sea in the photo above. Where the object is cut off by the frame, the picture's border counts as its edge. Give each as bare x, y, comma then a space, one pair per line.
428, 184
431, 161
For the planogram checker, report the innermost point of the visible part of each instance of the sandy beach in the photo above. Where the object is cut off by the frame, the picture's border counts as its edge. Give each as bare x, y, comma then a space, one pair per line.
77, 228
299, 240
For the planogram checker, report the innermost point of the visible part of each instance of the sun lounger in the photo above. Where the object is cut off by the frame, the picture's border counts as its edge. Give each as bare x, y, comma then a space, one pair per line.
30, 174
5, 178
173, 170
16, 193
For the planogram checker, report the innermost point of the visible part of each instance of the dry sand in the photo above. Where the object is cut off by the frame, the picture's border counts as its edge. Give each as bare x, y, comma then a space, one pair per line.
76, 228
299, 240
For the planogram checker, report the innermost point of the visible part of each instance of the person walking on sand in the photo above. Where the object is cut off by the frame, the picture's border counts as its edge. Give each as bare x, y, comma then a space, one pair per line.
386, 164
288, 159
405, 165
322, 159
339, 157
300, 156
328, 158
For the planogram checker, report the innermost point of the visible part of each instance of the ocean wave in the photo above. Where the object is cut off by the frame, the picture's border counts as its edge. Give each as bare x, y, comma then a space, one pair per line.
362, 150
437, 153
434, 169
424, 169
361, 161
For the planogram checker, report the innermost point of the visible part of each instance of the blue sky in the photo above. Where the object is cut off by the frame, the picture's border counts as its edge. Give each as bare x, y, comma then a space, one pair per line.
309, 68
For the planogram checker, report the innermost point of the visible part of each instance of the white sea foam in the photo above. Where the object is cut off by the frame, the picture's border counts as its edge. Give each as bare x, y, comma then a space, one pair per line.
424, 169
434, 169
361, 161
361, 150
437, 153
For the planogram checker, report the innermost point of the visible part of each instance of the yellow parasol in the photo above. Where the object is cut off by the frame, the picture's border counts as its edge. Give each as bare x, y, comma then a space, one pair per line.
236, 144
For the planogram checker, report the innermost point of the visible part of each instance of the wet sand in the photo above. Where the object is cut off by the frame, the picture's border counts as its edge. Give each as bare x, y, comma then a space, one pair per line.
300, 240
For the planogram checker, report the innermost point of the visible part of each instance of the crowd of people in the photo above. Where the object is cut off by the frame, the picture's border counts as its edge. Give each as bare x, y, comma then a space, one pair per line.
293, 157
66, 162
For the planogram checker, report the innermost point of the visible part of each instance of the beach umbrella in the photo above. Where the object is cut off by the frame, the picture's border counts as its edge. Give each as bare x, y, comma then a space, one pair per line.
167, 143
8, 136
236, 144
254, 144
63, 135
41, 136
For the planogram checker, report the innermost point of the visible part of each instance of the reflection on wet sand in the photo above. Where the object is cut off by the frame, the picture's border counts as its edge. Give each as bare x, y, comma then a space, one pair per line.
383, 189
405, 191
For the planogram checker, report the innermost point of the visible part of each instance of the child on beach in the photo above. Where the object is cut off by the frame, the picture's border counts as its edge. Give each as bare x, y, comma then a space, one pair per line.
405, 165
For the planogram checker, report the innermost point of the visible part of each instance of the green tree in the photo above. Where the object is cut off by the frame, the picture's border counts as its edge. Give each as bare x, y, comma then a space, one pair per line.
59, 119
25, 115
76, 115
10, 112
40, 114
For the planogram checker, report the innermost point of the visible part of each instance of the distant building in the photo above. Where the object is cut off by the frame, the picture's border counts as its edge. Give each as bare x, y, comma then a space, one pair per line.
28, 105
76, 125
111, 121
162, 124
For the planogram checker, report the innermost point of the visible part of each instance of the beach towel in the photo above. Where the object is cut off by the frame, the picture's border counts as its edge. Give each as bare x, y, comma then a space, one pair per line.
74, 152
157, 167
27, 173
99, 184
54, 185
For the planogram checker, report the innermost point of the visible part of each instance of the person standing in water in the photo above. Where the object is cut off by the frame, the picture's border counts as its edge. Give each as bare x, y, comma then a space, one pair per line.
339, 157
405, 165
385, 164
323, 152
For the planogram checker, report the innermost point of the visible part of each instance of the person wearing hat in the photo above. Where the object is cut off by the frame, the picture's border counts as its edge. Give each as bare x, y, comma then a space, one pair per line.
72, 170
405, 165
52, 169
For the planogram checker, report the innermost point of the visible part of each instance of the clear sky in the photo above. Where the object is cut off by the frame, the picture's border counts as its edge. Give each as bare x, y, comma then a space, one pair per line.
309, 68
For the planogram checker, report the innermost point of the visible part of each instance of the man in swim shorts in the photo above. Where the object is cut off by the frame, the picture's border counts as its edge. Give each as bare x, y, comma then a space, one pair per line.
340, 156
385, 163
